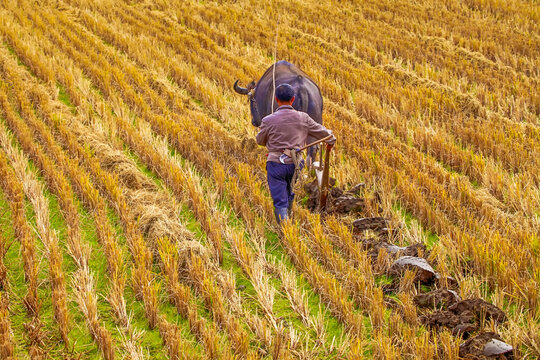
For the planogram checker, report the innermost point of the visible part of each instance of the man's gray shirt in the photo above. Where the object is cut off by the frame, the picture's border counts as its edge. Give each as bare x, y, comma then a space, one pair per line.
287, 128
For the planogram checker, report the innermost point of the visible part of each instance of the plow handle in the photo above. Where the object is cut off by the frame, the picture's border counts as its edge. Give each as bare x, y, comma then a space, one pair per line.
325, 177
315, 142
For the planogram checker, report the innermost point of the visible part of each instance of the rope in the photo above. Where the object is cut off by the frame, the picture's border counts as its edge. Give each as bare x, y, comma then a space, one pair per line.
275, 60
296, 158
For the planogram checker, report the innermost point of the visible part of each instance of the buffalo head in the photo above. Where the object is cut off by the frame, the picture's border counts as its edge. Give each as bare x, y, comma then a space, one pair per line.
250, 92
246, 90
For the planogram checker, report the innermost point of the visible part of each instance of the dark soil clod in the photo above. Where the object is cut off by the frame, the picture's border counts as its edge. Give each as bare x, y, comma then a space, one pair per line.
488, 345
482, 309
339, 202
346, 204
437, 299
445, 318
464, 330
463, 317
335, 192
424, 272
311, 187
372, 223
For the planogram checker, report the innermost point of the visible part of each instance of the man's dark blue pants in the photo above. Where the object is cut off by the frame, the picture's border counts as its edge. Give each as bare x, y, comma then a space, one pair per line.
279, 180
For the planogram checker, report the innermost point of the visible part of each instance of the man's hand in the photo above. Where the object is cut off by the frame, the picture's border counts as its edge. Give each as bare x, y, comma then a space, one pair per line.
331, 141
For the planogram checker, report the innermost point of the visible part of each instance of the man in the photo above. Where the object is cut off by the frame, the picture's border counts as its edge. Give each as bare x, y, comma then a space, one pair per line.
286, 129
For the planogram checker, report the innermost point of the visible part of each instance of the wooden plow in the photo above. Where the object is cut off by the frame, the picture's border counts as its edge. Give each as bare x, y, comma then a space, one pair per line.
322, 171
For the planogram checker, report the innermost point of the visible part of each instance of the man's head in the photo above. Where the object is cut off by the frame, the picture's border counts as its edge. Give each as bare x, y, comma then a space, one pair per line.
284, 94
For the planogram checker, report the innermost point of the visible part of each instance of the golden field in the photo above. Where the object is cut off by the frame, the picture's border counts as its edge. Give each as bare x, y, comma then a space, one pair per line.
135, 218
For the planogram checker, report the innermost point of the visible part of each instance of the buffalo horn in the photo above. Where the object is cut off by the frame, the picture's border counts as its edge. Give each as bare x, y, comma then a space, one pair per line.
240, 89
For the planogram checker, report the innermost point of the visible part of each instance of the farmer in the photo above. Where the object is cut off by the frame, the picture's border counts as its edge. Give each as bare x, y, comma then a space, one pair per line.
285, 130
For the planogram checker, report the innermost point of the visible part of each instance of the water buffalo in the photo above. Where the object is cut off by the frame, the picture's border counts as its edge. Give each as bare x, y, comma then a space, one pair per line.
308, 96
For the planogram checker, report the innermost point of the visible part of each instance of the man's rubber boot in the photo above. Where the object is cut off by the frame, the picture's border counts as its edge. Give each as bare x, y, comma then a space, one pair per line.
281, 214
289, 209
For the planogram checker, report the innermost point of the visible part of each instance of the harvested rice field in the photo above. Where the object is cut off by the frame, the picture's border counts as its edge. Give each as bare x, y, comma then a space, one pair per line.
135, 216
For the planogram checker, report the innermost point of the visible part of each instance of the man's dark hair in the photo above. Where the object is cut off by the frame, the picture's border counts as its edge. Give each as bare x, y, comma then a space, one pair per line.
284, 92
